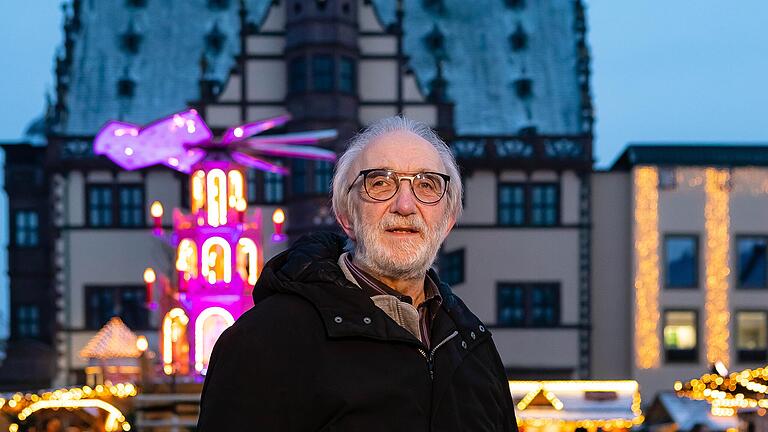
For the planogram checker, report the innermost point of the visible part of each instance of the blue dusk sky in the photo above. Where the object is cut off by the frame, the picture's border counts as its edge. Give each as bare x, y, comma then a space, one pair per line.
662, 71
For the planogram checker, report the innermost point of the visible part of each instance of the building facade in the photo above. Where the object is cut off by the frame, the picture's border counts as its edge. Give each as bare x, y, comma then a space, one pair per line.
679, 270
506, 85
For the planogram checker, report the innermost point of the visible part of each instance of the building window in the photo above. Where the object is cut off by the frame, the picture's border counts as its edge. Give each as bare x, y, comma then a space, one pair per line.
297, 75
452, 267
528, 304
27, 321
751, 266
322, 73
681, 261
26, 228
104, 210
528, 204
347, 75
511, 204
131, 205
252, 185
544, 205
273, 188
323, 173
751, 336
126, 302
680, 336
298, 176
100, 202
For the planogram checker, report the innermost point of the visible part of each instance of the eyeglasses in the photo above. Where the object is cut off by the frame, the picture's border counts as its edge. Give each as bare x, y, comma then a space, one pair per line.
382, 184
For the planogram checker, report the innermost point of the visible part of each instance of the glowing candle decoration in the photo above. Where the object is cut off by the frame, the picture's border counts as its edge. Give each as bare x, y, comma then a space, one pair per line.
278, 219
156, 210
149, 279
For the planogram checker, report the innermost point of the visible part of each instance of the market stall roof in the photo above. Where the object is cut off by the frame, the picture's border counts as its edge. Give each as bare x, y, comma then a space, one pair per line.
114, 340
688, 413
582, 403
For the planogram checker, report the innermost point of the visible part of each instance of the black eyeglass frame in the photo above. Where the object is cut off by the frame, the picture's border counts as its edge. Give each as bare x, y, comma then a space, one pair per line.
400, 177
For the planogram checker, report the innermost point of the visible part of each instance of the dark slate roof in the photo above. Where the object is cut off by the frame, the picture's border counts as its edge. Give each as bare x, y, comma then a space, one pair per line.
481, 67
692, 154
165, 67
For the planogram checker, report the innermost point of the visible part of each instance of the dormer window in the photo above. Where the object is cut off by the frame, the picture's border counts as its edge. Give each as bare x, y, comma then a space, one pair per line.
518, 40
214, 40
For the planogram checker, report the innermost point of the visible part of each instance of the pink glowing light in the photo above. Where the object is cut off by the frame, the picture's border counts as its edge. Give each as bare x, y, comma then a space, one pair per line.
133, 147
181, 140
251, 129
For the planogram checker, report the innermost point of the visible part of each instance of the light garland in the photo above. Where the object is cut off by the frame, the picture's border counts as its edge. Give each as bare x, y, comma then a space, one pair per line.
728, 394
647, 343
717, 250
550, 389
23, 406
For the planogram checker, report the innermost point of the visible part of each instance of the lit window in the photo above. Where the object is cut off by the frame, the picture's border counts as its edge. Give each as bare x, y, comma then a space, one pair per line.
751, 265
27, 321
322, 73
27, 227
452, 267
528, 304
751, 335
681, 255
323, 172
680, 339
346, 75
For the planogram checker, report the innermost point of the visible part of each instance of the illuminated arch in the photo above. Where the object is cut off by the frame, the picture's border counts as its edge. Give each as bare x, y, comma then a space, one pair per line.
217, 320
236, 190
216, 264
175, 344
186, 258
216, 189
247, 260
198, 190
115, 419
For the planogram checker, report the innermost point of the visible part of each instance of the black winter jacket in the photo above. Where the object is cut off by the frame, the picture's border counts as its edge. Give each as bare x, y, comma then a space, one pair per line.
315, 354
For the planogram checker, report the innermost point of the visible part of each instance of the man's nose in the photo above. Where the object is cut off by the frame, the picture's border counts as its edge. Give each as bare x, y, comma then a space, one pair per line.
404, 201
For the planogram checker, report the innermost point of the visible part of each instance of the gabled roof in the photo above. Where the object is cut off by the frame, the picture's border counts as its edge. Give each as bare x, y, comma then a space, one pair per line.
688, 413
114, 340
692, 154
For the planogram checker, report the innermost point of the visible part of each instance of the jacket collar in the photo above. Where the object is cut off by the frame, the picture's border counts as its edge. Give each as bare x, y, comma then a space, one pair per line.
310, 270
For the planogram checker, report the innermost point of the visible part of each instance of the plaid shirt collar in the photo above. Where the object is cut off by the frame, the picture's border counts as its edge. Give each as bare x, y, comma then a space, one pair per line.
372, 286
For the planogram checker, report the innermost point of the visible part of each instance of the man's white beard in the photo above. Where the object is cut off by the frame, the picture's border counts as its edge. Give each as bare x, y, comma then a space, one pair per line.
408, 258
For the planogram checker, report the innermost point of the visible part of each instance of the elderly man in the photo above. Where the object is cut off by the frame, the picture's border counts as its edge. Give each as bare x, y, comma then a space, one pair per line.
364, 337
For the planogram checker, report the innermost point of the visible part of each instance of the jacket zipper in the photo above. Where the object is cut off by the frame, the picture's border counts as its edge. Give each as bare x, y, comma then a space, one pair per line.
431, 356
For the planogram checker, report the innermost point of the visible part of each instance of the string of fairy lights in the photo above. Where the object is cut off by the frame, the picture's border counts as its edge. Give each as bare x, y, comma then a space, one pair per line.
22, 406
646, 210
729, 393
717, 185
717, 249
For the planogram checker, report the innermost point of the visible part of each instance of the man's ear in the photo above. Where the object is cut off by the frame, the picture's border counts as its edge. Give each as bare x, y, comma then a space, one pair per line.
449, 227
346, 225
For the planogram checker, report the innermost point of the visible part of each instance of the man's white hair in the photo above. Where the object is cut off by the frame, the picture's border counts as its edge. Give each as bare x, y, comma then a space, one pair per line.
341, 200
